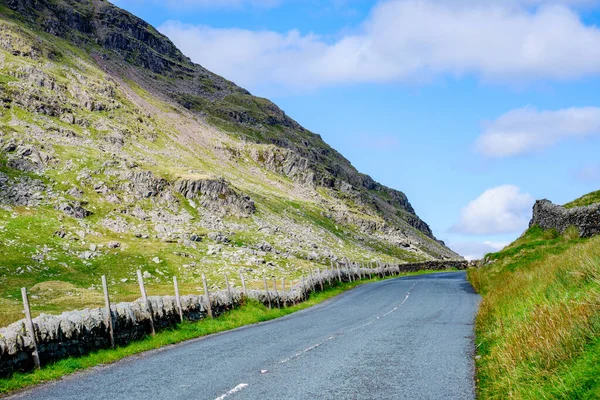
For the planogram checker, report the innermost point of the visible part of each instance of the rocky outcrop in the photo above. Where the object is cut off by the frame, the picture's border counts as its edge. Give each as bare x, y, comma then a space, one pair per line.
285, 162
73, 209
145, 184
215, 195
548, 215
22, 191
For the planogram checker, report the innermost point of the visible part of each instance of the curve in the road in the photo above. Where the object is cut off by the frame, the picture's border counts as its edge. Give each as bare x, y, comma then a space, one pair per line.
404, 338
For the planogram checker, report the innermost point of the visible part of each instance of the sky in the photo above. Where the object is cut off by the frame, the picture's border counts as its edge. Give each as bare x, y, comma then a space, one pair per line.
473, 109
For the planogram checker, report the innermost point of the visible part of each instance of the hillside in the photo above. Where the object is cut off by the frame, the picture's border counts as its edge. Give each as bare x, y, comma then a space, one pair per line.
538, 328
118, 154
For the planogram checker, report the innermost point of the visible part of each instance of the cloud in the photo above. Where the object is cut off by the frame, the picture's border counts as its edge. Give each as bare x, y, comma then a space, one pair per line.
526, 130
476, 250
404, 41
503, 209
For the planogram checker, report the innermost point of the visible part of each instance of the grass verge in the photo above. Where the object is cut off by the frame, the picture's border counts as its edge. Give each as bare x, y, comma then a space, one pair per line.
539, 321
249, 313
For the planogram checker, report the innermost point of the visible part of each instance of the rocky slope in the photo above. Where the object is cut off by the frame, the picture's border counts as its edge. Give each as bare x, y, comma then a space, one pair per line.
119, 153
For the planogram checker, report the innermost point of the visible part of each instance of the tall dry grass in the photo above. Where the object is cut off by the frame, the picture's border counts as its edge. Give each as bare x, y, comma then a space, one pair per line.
540, 313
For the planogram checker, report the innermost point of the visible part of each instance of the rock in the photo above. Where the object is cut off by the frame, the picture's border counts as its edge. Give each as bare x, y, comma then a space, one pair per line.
113, 245
218, 237
75, 192
93, 247
10, 147
73, 210
61, 234
214, 250
145, 184
156, 260
113, 198
264, 246
216, 195
22, 191
86, 255
147, 275
195, 238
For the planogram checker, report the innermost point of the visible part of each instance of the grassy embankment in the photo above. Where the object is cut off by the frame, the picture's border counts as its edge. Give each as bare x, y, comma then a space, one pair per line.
538, 328
251, 312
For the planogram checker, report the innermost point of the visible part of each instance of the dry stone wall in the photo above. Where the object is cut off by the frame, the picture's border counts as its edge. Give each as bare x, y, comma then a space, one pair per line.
76, 333
548, 215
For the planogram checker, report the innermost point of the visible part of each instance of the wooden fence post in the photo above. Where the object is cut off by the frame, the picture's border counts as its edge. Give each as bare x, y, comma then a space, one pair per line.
283, 292
30, 330
207, 294
229, 290
243, 284
145, 298
332, 271
320, 278
303, 288
178, 299
109, 320
339, 273
359, 266
350, 274
267, 291
278, 301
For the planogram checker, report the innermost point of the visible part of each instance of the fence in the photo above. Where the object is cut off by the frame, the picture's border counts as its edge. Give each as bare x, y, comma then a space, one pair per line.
31, 342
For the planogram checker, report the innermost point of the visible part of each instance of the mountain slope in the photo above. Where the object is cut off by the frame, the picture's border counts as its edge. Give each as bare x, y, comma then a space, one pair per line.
538, 327
119, 153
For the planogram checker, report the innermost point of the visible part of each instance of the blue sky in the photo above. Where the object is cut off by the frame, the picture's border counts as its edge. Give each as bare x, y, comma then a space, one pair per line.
473, 109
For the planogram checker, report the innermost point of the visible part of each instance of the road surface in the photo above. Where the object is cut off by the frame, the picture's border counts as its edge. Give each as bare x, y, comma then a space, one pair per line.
405, 338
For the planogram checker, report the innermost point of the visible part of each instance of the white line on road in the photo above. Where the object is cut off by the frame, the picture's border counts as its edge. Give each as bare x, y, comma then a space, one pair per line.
236, 389
314, 346
298, 354
387, 313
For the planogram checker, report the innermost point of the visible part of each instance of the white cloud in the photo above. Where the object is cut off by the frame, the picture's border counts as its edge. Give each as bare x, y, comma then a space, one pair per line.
407, 40
476, 250
503, 209
526, 130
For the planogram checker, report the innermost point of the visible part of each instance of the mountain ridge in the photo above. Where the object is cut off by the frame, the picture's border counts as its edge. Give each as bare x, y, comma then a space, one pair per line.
116, 148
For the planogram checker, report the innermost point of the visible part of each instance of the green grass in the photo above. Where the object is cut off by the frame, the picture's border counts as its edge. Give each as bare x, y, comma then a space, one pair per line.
251, 312
6, 79
539, 321
588, 199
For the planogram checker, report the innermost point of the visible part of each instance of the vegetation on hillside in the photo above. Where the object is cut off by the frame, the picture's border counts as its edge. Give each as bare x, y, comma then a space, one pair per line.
538, 328
588, 199
99, 113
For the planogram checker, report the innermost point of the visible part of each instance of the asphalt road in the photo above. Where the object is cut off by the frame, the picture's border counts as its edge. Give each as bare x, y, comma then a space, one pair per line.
406, 338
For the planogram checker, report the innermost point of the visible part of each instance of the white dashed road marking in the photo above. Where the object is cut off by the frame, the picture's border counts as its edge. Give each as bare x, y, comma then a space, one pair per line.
236, 389
298, 354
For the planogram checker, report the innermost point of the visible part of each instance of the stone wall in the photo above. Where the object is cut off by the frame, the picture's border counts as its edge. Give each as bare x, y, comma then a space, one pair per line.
76, 333
551, 216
